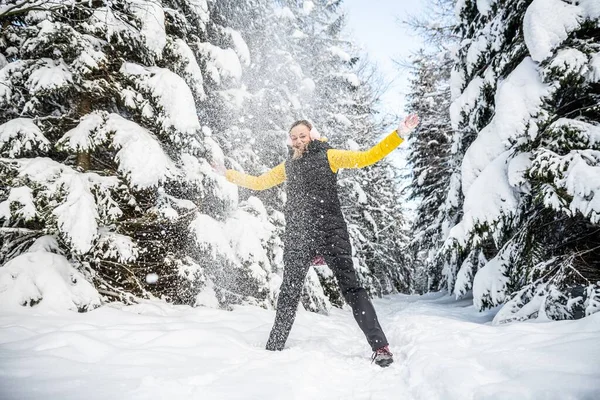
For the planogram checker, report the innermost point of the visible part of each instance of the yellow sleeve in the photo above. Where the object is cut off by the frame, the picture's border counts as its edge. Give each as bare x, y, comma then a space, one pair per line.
359, 159
267, 180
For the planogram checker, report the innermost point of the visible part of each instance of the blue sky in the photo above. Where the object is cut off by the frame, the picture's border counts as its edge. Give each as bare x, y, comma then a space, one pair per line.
374, 26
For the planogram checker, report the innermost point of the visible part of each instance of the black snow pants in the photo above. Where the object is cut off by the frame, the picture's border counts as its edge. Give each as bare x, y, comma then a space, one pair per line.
335, 249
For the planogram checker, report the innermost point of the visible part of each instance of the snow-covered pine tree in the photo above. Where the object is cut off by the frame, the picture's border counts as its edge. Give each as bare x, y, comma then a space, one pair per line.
430, 144
104, 156
429, 157
528, 118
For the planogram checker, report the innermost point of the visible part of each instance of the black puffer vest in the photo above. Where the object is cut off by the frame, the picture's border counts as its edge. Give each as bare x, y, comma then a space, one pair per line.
313, 207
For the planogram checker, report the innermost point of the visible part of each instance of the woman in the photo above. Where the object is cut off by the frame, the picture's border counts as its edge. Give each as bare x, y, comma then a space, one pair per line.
315, 225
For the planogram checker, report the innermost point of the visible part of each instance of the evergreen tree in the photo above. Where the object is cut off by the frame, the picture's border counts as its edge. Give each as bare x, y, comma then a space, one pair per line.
433, 168
527, 118
104, 151
430, 146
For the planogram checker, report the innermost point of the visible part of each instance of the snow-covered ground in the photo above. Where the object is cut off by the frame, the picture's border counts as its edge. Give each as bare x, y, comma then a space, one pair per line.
444, 350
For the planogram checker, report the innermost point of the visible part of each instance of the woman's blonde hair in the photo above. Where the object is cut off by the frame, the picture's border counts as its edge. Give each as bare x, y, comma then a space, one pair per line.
301, 122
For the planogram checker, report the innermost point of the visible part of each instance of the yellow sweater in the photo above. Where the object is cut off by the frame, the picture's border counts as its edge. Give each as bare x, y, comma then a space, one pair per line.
338, 159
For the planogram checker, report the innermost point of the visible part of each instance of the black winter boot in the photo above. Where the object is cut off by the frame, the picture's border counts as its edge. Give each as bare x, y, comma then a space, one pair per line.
383, 357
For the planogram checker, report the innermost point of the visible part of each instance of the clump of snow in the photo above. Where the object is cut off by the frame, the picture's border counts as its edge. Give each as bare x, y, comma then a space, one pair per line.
489, 284
19, 135
342, 120
582, 182
82, 137
47, 243
453, 196
457, 82
209, 234
547, 23
239, 45
350, 78
49, 75
518, 98
591, 8
464, 278
21, 199
489, 200
339, 53
352, 145
46, 281
577, 172
298, 34
104, 20
207, 297
77, 212
6, 89
570, 61
115, 246
235, 98
458, 7
308, 86
466, 101
77, 216
90, 56
421, 177
152, 19
151, 278
221, 63
139, 154
200, 9
484, 6
171, 93
517, 168
248, 235
191, 70
476, 49
590, 133
594, 72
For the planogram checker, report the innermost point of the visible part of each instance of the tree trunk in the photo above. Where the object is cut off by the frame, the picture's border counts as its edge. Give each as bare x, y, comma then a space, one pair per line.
84, 159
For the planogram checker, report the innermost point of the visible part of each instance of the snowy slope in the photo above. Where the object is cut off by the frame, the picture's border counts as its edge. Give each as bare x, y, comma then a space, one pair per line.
444, 350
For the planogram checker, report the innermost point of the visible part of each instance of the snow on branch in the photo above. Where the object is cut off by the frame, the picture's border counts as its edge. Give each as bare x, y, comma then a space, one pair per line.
152, 19
518, 98
172, 95
47, 281
76, 197
140, 156
547, 23
49, 75
490, 200
21, 135
139, 153
221, 63
188, 66
19, 205
18, 7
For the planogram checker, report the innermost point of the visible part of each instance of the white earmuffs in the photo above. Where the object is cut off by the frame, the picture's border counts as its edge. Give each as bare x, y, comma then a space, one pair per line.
314, 135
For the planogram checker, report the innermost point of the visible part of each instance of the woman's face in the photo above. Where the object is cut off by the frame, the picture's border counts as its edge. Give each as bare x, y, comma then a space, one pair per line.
300, 137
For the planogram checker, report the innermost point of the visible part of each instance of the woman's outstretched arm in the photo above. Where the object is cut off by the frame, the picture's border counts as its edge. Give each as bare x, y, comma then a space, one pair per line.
358, 159
274, 177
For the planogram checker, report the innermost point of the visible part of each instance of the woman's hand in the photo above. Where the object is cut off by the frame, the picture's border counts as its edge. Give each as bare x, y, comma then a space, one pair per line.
408, 125
219, 169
